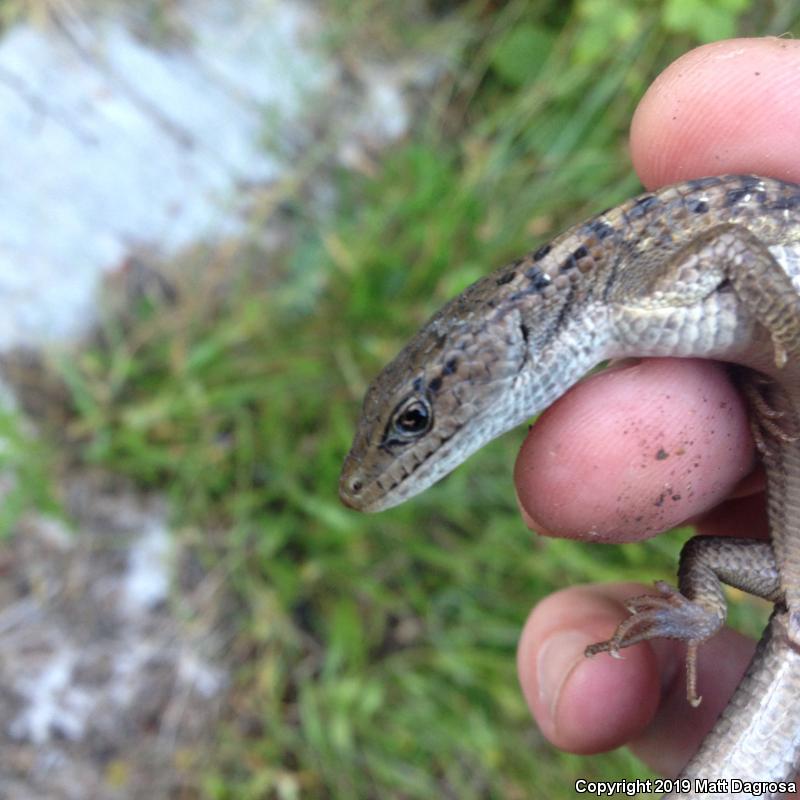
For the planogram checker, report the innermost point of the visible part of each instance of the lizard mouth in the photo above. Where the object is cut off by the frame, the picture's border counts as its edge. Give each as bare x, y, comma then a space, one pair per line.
354, 491
349, 492
364, 492
356, 495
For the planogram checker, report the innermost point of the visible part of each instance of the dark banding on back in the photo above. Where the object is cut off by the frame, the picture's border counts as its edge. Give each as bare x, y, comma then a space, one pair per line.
539, 280
642, 207
542, 252
697, 206
600, 228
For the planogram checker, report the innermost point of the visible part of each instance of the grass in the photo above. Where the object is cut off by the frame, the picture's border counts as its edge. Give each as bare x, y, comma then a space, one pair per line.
375, 655
25, 472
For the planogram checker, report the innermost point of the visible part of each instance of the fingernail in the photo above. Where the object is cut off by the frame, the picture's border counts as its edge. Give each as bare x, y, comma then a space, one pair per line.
558, 656
526, 518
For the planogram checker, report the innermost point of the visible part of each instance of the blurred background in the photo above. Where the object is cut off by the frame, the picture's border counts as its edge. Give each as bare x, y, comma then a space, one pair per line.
219, 219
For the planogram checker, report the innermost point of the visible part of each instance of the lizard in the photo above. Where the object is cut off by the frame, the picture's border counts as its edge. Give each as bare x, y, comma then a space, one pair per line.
707, 268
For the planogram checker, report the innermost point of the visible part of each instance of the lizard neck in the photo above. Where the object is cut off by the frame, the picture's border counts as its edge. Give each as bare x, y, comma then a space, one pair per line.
586, 340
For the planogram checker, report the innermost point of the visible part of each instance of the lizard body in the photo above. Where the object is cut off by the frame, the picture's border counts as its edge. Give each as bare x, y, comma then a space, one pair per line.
708, 268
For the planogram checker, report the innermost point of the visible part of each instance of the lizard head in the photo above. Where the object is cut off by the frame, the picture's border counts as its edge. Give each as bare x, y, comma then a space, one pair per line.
445, 395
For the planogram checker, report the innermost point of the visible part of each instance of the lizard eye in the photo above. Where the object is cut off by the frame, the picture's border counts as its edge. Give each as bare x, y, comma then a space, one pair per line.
413, 418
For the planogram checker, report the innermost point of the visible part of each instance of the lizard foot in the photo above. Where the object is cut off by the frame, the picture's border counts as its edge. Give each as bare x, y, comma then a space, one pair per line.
764, 418
670, 615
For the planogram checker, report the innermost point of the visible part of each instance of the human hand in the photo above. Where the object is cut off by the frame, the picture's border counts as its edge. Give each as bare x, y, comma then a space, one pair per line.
602, 462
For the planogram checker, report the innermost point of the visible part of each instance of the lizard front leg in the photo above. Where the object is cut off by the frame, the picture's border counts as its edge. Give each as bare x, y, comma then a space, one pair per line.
725, 255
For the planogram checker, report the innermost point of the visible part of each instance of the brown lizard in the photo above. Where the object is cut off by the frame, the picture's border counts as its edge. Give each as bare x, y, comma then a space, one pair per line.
708, 268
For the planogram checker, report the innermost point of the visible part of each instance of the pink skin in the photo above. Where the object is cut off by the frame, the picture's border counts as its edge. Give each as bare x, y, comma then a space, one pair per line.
628, 454
637, 463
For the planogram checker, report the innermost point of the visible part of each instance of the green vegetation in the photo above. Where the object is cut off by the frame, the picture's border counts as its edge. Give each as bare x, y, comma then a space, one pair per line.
375, 654
25, 479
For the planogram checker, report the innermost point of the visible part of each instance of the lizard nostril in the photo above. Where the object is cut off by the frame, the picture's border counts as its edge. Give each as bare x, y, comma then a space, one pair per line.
348, 493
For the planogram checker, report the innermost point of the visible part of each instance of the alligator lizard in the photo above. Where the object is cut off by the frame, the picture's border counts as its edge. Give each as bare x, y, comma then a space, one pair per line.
708, 268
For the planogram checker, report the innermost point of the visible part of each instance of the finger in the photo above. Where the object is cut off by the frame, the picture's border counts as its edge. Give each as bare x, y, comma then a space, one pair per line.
634, 451
739, 516
727, 107
590, 705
